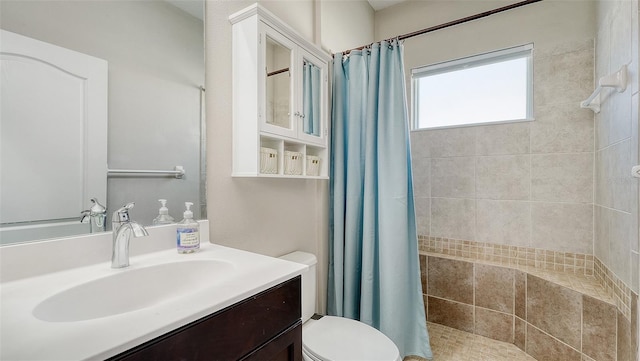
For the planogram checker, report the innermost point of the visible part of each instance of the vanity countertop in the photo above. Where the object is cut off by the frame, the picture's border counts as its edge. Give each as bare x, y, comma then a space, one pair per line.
26, 337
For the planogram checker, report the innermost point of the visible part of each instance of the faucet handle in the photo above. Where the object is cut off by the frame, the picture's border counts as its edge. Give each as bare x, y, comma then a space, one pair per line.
122, 214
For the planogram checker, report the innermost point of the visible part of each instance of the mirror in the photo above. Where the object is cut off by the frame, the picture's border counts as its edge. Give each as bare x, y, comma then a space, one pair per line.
155, 110
278, 87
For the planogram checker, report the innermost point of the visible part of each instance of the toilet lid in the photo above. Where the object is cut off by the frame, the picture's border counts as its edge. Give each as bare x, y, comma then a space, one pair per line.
337, 338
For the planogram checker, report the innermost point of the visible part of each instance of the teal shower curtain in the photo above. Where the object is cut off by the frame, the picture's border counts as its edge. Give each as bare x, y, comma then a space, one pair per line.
374, 272
311, 99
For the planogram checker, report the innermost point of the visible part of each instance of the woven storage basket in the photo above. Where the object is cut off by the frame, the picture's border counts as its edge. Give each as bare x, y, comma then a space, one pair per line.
268, 161
313, 165
292, 163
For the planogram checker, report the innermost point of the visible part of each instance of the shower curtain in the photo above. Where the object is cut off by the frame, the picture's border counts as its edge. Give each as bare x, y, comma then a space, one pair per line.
374, 272
311, 99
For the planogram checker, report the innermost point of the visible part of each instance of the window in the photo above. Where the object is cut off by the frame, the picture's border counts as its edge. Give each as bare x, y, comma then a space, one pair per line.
486, 88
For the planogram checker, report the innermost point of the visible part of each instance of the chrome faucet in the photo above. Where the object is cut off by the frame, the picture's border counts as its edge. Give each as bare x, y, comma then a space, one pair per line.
123, 228
97, 216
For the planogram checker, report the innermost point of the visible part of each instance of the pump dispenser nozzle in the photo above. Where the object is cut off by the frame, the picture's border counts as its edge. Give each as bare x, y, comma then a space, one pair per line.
163, 214
188, 214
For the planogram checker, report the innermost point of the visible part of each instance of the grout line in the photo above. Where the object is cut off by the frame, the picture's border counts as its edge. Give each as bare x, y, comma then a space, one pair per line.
555, 338
475, 331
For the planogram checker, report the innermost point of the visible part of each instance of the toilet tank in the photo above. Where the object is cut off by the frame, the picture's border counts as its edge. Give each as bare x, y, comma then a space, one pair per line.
308, 281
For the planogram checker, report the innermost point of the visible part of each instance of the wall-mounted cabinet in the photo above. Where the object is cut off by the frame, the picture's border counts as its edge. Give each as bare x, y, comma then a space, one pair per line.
280, 99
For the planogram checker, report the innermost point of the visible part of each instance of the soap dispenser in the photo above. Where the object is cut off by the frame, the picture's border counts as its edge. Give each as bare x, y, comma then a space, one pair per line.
188, 232
163, 214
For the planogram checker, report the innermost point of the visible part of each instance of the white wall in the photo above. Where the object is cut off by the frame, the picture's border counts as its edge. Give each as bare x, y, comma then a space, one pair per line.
346, 24
156, 66
268, 216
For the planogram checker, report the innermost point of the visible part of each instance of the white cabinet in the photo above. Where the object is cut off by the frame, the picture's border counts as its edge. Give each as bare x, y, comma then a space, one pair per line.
280, 99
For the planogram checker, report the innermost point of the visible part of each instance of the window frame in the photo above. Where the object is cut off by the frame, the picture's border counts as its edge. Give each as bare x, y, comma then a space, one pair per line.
492, 57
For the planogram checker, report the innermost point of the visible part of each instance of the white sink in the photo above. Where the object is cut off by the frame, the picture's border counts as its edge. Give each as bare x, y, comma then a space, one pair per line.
128, 290
94, 312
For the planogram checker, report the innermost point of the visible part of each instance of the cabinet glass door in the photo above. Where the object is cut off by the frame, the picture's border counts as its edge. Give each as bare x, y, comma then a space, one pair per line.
313, 99
278, 84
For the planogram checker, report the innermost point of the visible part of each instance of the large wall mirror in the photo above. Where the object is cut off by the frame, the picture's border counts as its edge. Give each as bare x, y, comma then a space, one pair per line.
152, 119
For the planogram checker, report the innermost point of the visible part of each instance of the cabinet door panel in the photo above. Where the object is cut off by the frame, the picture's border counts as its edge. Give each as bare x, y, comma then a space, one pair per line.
229, 334
279, 55
313, 99
286, 347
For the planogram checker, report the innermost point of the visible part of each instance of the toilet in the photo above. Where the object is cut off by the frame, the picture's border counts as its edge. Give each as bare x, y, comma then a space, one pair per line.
331, 338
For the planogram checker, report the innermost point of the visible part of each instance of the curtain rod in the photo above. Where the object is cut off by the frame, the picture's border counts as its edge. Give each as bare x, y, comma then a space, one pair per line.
454, 22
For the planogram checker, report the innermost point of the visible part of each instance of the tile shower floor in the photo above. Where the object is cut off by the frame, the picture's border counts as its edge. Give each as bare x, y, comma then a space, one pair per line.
449, 344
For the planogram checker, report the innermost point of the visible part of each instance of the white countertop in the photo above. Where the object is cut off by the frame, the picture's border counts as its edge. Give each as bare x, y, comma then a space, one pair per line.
25, 337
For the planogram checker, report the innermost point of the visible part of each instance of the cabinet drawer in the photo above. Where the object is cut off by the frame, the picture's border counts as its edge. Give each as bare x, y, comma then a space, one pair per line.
285, 347
229, 334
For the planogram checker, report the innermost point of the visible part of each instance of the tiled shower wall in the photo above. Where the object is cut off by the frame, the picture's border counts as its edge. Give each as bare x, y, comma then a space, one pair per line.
616, 138
531, 310
524, 184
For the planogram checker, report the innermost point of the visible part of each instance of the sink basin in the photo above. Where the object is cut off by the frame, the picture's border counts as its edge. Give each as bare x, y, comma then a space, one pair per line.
129, 290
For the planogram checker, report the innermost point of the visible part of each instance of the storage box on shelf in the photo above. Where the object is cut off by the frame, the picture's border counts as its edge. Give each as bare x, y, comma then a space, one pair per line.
268, 160
292, 163
312, 165
280, 99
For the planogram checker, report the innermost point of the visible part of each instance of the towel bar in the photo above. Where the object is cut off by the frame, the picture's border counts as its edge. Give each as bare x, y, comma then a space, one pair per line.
178, 172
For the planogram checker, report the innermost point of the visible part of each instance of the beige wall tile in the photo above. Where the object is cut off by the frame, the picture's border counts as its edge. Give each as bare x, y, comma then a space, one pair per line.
635, 337
603, 55
494, 325
635, 40
564, 177
603, 40
619, 179
620, 35
420, 146
635, 272
499, 139
503, 177
454, 142
619, 248
624, 338
562, 128
603, 189
423, 215
453, 314
453, 177
567, 77
520, 333
423, 273
620, 123
425, 300
601, 124
554, 309
635, 159
494, 288
520, 304
504, 222
562, 227
450, 279
544, 347
598, 329
601, 234
453, 218
421, 169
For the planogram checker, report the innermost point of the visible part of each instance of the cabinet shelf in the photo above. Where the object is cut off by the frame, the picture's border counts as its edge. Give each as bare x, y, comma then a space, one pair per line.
283, 119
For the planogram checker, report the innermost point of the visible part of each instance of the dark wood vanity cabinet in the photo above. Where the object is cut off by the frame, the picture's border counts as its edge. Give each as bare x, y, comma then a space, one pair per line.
263, 327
